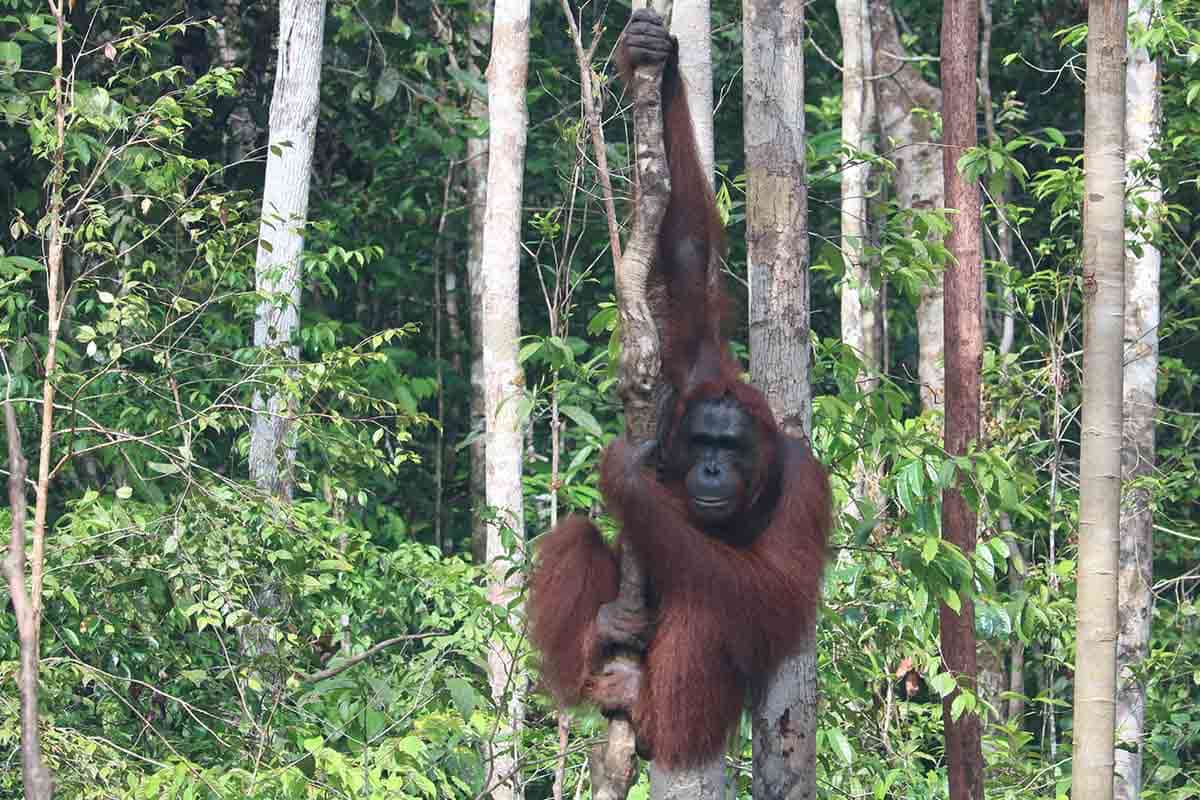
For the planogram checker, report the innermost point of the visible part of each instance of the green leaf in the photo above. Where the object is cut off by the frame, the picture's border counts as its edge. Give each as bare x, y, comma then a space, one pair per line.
163, 469
583, 419
10, 57
959, 706
929, 550
951, 599
840, 744
943, 683
463, 695
124, 492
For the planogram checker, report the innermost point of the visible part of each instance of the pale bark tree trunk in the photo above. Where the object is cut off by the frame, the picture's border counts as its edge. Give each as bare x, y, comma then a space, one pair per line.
785, 714
860, 301
964, 361
504, 381
294, 109
1100, 452
1136, 602
477, 169
690, 23
905, 103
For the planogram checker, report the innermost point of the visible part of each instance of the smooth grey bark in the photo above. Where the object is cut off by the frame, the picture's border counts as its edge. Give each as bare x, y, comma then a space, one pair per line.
906, 105
1100, 456
294, 109
477, 169
1143, 263
504, 380
690, 23
784, 714
860, 300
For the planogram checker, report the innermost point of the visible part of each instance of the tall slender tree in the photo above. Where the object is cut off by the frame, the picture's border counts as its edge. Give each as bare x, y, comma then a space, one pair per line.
963, 348
906, 103
504, 380
1143, 262
1100, 451
294, 106
476, 179
785, 714
860, 301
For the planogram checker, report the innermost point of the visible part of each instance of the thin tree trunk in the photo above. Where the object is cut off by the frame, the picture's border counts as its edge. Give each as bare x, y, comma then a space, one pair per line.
1003, 227
1100, 452
1136, 602
504, 381
38, 783
691, 24
964, 356
860, 301
477, 169
294, 109
614, 763
906, 103
784, 716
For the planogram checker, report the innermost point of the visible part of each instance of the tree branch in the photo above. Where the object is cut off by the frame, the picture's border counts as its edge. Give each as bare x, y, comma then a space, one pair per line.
614, 763
325, 674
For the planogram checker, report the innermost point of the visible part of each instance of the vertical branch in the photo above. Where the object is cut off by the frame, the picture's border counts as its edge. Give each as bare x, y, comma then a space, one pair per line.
614, 763
591, 114
38, 783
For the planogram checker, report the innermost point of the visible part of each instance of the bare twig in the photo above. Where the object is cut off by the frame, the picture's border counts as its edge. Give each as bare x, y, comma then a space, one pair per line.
329, 672
591, 113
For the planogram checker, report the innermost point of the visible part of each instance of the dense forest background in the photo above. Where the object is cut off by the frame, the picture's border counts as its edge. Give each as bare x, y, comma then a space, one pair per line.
188, 616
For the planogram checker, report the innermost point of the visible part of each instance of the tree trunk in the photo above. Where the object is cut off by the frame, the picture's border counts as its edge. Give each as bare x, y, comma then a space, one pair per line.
784, 715
1100, 452
477, 169
964, 362
860, 300
1136, 602
690, 23
504, 381
906, 103
294, 108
